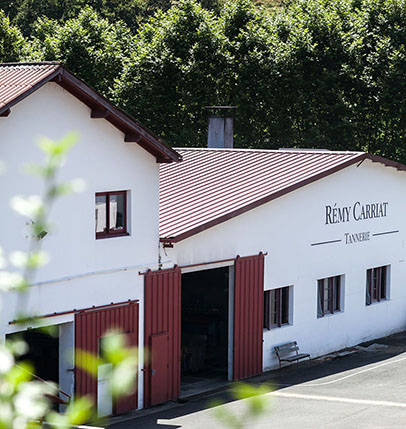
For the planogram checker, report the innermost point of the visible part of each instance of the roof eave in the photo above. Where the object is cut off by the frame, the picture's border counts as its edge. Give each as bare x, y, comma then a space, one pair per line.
386, 162
121, 120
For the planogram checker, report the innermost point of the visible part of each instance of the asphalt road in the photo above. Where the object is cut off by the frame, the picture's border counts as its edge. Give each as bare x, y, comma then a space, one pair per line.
364, 389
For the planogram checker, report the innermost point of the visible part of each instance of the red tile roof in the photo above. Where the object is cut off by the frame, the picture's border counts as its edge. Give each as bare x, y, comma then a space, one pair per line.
16, 79
213, 185
19, 80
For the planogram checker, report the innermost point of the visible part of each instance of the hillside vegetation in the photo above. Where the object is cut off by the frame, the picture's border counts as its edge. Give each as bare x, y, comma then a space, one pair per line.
302, 73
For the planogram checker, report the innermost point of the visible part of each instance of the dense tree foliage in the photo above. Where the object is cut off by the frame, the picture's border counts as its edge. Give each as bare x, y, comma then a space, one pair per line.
315, 74
13, 46
90, 46
24, 13
178, 64
379, 64
308, 73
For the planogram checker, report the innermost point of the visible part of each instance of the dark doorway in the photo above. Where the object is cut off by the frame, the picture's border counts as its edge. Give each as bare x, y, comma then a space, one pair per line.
204, 325
43, 353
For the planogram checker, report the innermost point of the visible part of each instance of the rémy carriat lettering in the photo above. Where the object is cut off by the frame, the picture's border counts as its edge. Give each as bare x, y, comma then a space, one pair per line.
355, 212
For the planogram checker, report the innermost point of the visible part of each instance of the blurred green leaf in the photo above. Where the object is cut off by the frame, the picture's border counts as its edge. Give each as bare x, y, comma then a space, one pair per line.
30, 207
254, 403
87, 362
80, 411
58, 148
19, 374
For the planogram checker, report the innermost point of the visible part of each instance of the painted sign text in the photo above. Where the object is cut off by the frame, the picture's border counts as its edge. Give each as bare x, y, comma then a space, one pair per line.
355, 212
357, 237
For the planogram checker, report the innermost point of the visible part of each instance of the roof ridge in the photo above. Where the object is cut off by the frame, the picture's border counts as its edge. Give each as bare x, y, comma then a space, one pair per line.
287, 150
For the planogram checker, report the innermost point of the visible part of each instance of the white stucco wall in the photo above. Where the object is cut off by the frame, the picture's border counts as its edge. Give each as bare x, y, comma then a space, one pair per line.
106, 163
286, 228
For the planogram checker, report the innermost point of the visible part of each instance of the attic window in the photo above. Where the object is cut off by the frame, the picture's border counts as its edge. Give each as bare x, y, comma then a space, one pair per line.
111, 214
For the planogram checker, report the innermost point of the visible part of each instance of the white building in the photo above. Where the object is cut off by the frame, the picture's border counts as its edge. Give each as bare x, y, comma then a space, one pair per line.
258, 248
114, 153
326, 222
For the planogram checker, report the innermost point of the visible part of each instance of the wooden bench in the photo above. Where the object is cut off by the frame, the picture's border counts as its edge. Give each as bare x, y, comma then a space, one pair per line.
289, 352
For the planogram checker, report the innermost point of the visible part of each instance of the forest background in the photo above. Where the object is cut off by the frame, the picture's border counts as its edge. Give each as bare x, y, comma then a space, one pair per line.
303, 73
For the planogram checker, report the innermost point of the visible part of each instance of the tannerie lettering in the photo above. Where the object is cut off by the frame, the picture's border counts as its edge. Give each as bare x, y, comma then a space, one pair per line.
356, 238
355, 212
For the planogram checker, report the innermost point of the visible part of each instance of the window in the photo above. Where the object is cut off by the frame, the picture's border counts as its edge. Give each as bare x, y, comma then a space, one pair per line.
377, 284
111, 214
328, 296
276, 307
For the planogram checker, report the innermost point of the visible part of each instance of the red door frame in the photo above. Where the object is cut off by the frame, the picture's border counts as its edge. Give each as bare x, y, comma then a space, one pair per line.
90, 326
162, 315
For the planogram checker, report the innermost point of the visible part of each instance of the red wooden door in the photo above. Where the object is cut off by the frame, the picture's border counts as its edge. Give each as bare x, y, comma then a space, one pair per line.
162, 316
248, 316
159, 368
92, 325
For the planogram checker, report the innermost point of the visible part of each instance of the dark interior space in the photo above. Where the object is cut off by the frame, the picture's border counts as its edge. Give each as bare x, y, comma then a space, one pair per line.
43, 353
204, 325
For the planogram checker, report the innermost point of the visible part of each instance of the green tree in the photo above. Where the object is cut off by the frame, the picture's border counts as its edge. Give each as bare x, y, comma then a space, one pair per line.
379, 64
317, 78
13, 46
302, 73
24, 13
89, 46
256, 73
316, 73
175, 70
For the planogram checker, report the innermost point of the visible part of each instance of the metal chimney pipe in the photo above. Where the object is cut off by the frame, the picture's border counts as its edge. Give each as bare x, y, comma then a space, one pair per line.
221, 127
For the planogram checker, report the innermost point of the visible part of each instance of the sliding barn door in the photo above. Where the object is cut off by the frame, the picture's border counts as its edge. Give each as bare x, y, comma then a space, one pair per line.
162, 335
90, 327
248, 316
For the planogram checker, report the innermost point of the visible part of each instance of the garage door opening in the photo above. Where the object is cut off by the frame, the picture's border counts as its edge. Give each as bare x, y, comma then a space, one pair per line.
51, 357
205, 329
43, 353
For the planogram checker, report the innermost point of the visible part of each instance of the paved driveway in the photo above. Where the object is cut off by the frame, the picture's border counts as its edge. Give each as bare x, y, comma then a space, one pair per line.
364, 389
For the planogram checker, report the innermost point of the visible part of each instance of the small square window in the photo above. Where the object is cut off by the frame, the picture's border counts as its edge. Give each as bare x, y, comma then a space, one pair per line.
111, 214
276, 307
328, 296
377, 284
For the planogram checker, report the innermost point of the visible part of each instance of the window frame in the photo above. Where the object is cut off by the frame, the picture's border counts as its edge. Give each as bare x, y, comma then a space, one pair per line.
283, 306
108, 233
377, 282
334, 296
